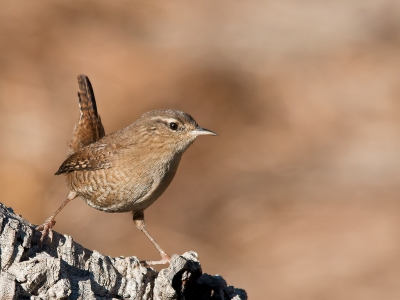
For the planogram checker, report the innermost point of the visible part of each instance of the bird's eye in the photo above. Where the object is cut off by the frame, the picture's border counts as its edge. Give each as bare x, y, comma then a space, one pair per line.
173, 126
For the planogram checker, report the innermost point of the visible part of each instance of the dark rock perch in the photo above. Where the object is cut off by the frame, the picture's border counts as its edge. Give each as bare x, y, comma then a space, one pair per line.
66, 270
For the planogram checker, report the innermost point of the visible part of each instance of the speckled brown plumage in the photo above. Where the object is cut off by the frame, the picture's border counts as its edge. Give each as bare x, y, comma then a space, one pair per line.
126, 170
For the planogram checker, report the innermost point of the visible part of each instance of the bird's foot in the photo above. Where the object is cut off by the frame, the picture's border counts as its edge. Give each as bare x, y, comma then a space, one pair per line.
46, 229
165, 259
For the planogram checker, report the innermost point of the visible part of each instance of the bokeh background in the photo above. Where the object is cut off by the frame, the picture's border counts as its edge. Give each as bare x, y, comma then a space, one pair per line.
298, 198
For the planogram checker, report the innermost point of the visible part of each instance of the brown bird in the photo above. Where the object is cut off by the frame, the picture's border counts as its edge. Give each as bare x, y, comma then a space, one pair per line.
125, 171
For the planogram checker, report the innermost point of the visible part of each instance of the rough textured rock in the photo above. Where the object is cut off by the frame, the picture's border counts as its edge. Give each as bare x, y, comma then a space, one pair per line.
64, 269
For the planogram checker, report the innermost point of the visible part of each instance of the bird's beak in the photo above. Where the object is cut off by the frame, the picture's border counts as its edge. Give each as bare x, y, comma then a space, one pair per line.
202, 131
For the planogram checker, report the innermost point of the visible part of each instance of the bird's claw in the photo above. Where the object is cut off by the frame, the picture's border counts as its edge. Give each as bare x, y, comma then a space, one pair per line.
165, 259
46, 229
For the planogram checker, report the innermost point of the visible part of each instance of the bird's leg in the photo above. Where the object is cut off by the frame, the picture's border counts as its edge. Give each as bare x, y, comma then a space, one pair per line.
50, 222
138, 218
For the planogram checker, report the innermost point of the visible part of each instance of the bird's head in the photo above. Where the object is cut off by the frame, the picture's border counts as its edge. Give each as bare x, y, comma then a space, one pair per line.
171, 129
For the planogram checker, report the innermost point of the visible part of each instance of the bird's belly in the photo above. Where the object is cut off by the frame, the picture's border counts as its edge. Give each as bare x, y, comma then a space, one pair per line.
116, 191
105, 191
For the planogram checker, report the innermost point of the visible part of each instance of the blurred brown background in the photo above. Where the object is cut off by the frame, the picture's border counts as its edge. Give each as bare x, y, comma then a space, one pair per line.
298, 196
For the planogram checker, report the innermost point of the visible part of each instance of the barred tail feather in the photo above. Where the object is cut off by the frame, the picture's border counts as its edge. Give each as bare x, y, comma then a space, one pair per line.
89, 128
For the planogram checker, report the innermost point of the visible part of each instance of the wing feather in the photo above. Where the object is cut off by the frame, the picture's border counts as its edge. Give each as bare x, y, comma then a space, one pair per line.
93, 157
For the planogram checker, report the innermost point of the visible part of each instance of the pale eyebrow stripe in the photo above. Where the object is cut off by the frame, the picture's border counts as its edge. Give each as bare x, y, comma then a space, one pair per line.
169, 120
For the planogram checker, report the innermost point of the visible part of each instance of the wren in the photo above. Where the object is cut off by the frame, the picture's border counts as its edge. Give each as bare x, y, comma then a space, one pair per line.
125, 171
